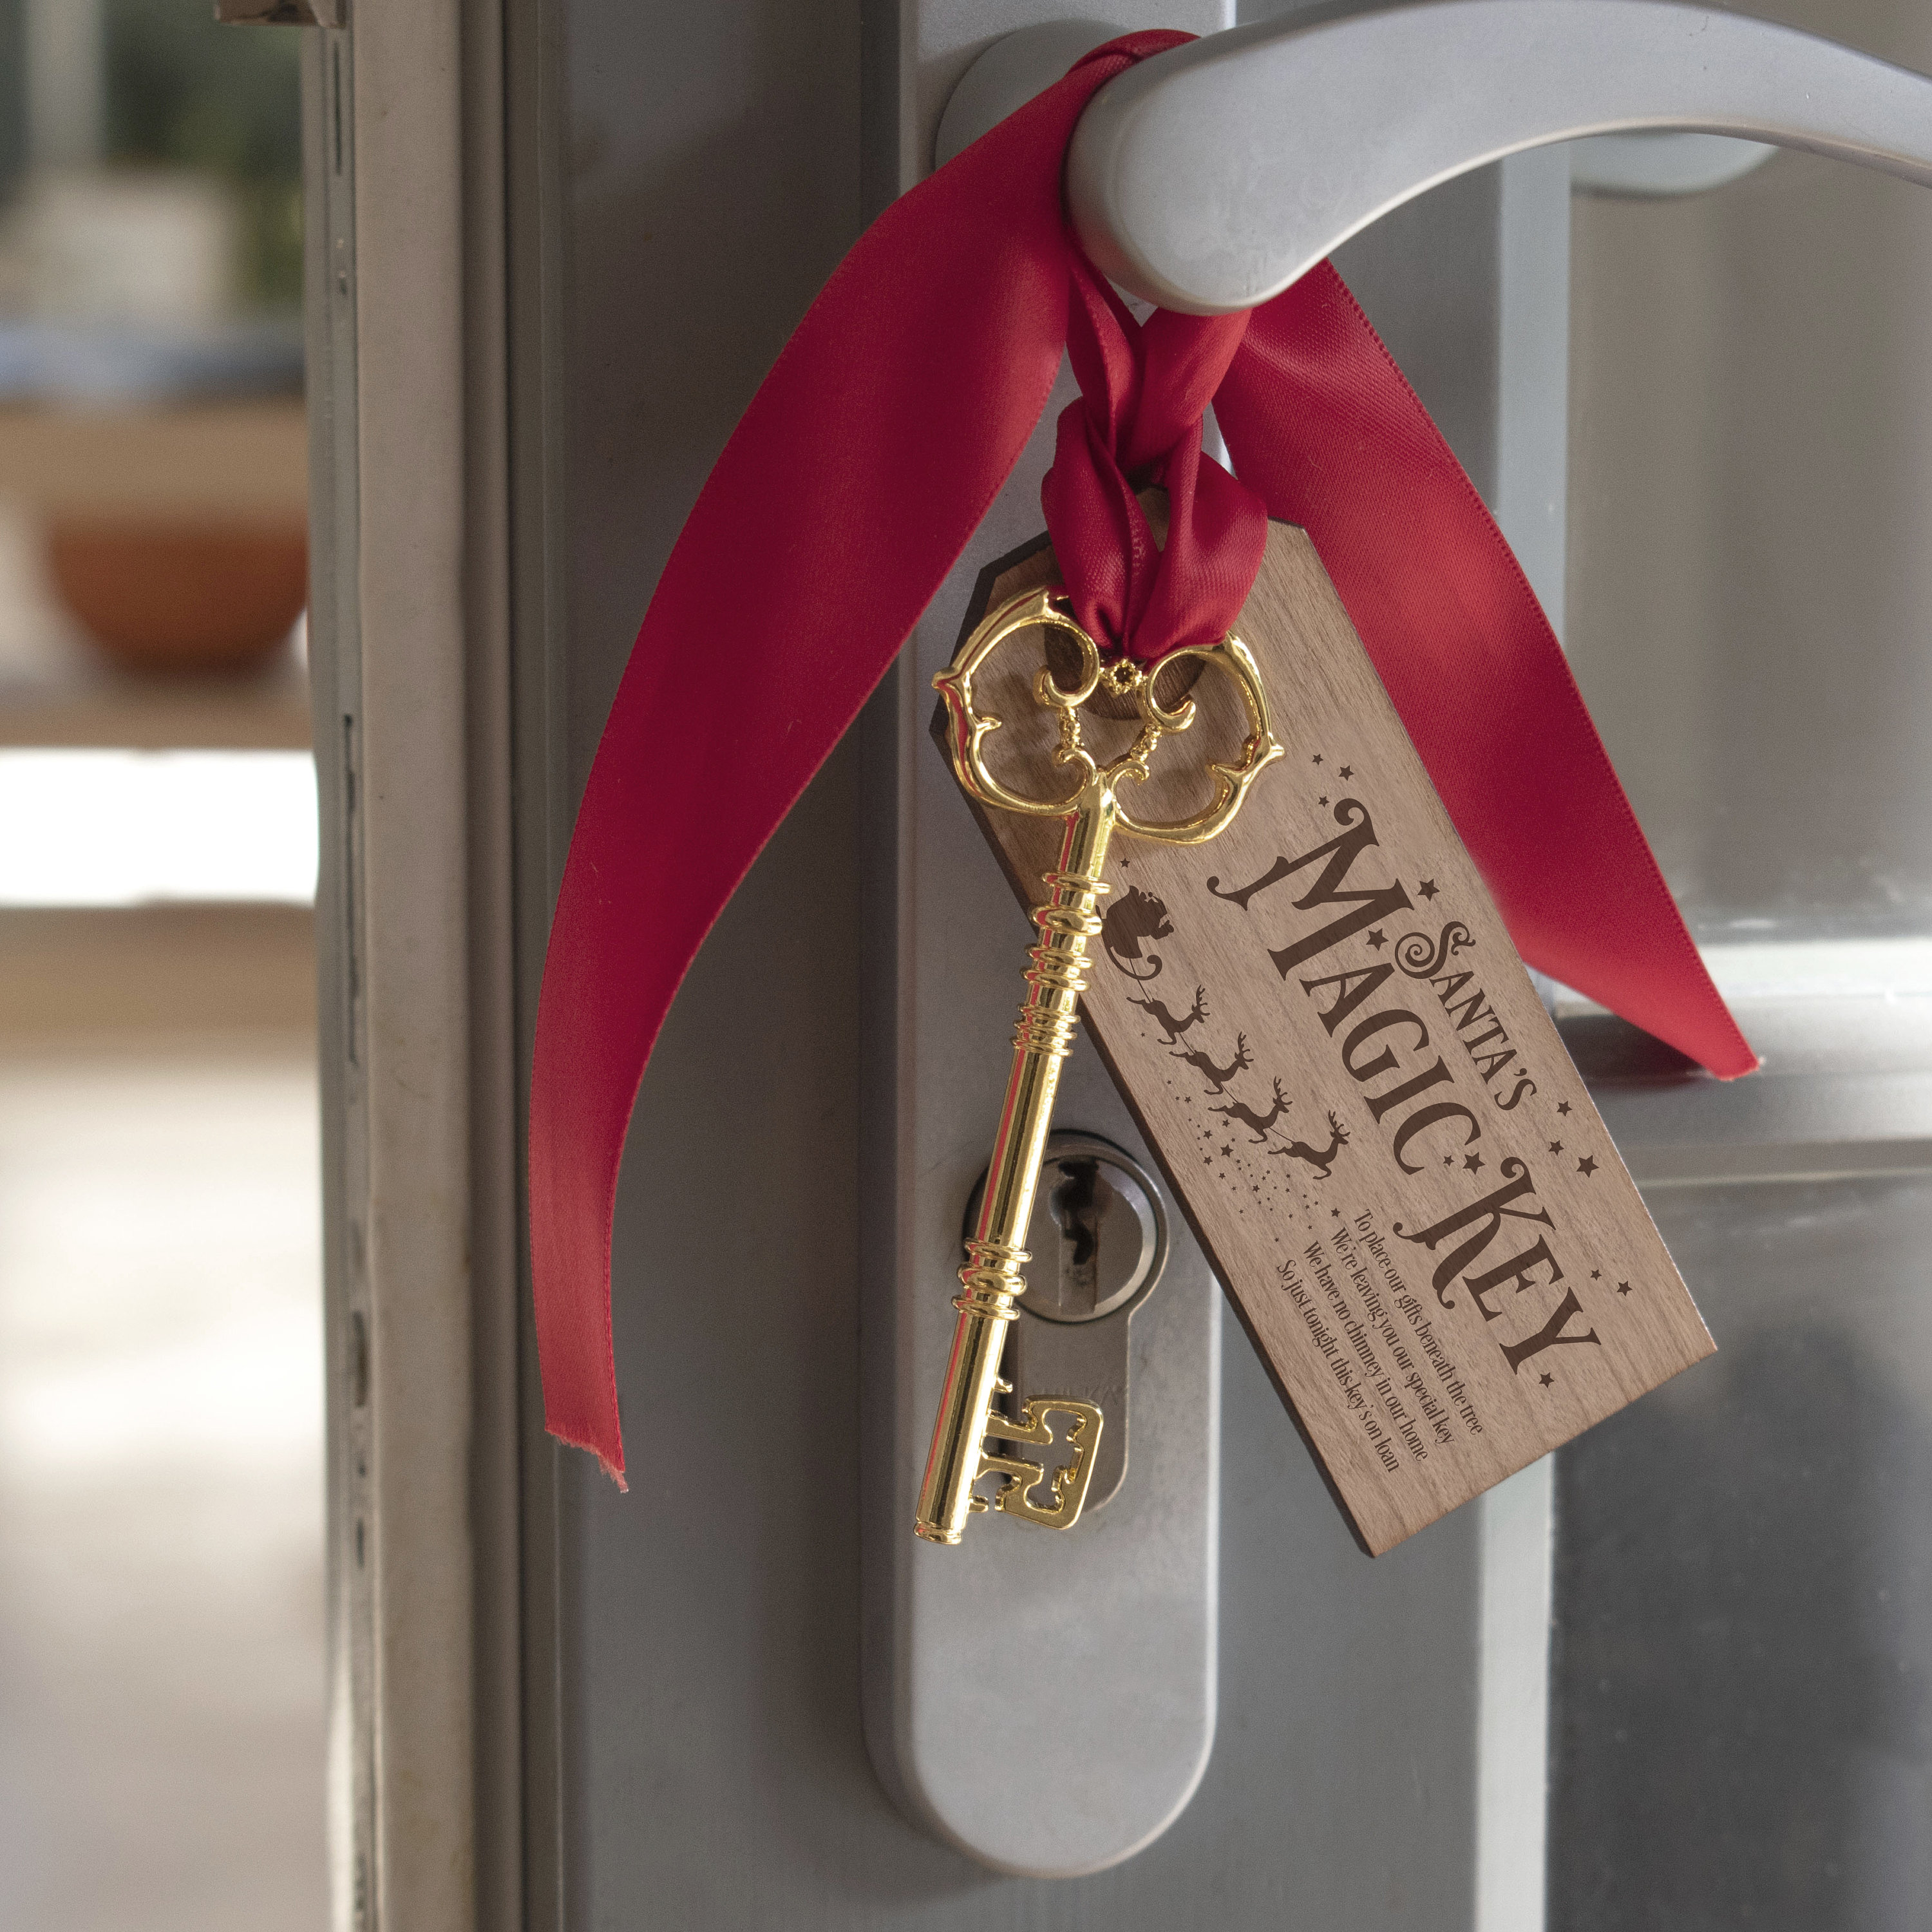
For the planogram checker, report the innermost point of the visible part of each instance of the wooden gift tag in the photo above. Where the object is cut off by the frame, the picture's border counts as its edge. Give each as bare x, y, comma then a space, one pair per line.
1325, 1033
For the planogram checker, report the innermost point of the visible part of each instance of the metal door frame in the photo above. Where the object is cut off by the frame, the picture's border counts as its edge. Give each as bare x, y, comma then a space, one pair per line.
410, 117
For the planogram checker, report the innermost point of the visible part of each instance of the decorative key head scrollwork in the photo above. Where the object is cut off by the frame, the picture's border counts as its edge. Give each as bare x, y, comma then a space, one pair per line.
968, 726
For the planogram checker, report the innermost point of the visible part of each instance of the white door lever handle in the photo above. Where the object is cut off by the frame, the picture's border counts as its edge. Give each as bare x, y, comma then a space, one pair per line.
1211, 178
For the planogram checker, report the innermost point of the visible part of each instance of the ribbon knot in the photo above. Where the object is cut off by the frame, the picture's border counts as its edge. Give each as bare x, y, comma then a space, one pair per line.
1145, 390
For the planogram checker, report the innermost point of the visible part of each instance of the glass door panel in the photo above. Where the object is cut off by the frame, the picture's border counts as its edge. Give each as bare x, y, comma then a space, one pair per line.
1741, 1735
1749, 582
1744, 1735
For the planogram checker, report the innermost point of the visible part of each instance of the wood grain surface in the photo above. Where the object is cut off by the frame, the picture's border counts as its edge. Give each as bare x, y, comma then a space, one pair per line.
1322, 1028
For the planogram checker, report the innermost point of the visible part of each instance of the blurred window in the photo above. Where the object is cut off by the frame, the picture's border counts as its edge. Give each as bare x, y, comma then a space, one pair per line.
98, 827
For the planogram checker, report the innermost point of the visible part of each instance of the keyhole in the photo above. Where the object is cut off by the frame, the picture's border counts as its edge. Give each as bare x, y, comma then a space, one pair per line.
1096, 1234
1075, 1205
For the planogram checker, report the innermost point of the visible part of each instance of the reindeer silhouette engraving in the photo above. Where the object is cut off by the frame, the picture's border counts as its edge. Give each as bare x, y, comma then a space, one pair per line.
1173, 1028
1257, 1124
1217, 1078
1322, 1159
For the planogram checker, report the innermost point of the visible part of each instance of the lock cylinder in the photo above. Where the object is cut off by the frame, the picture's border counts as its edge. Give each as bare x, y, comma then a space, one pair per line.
1098, 1239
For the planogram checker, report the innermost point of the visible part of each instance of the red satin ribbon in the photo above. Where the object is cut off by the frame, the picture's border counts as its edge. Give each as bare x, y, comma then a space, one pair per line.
1143, 391
865, 461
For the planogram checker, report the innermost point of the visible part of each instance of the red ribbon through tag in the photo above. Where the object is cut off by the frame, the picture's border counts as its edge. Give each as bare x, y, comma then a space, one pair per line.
889, 423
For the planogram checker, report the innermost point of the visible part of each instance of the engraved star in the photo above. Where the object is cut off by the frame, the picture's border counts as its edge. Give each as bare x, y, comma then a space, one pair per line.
1555, 1147
1563, 1106
1348, 771
1378, 939
1317, 758
1229, 1148
1545, 1378
1596, 1274
1474, 1163
1448, 1160
1623, 1288
1427, 888
1323, 799
1587, 1166
1335, 1212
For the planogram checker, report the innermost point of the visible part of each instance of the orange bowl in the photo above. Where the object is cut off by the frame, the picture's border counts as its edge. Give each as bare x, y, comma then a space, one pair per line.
201, 596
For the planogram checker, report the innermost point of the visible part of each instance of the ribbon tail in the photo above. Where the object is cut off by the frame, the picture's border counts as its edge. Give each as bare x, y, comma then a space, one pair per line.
866, 459
1319, 421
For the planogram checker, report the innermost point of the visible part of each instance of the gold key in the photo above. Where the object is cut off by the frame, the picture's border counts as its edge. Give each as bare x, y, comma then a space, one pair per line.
991, 1281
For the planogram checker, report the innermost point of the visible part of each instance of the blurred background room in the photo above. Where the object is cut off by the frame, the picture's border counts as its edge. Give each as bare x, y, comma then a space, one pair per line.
161, 1733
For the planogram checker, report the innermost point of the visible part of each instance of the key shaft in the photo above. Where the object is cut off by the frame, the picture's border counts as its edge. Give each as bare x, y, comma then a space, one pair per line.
991, 1282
